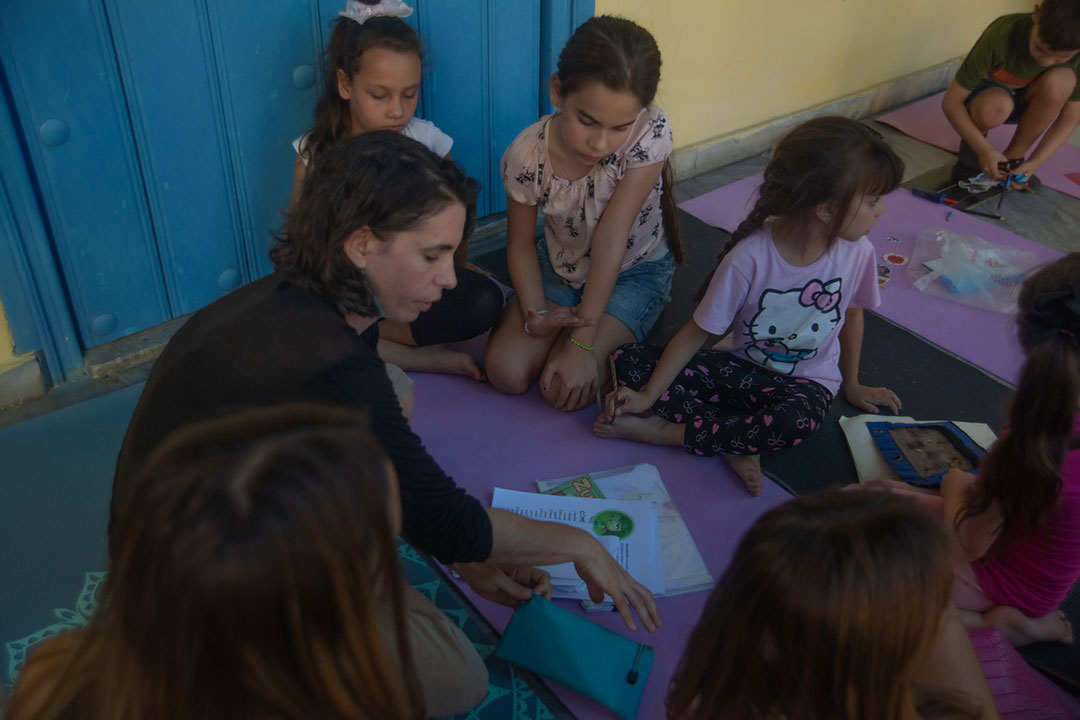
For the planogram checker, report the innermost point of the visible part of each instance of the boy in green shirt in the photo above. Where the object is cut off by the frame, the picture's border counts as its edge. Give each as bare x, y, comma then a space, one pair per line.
1022, 70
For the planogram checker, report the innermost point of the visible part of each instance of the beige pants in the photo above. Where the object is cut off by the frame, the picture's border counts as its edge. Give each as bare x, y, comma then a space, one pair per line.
452, 675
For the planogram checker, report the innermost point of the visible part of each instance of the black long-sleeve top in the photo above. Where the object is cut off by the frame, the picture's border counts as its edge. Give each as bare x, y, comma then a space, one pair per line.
272, 342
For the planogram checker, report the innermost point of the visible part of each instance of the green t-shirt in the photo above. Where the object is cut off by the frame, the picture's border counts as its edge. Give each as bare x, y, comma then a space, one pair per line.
1001, 55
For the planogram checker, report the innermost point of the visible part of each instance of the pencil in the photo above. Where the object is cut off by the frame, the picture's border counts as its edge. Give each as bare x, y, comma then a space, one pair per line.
983, 214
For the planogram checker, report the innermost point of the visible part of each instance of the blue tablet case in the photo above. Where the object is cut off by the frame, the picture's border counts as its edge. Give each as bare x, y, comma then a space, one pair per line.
894, 456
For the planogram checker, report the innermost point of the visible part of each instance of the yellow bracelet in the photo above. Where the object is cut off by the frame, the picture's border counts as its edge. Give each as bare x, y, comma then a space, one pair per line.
580, 344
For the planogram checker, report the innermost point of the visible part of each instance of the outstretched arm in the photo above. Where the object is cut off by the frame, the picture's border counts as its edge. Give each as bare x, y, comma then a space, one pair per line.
518, 541
861, 396
1056, 135
959, 117
574, 363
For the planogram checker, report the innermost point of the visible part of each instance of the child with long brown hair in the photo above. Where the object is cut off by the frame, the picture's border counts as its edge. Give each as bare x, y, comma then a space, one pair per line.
1017, 525
787, 298
835, 605
598, 170
371, 74
256, 576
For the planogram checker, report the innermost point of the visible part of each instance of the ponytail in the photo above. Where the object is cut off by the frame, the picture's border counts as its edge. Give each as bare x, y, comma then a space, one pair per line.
670, 215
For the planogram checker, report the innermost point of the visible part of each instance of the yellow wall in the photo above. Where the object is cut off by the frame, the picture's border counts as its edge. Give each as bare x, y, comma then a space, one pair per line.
731, 65
7, 344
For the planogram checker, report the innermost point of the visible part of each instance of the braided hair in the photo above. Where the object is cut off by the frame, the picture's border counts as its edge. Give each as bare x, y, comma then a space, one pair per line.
824, 160
1022, 471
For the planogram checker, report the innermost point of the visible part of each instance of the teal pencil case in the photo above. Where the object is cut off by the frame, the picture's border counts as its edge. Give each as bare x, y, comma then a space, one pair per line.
572, 651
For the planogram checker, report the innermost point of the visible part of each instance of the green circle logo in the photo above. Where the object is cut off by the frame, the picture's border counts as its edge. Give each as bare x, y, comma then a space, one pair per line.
613, 522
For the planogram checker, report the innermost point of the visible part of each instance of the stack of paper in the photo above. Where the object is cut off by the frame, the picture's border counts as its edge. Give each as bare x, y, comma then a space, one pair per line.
628, 529
684, 568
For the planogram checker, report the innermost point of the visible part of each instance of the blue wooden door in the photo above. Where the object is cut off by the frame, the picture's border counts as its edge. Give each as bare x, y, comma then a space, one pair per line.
151, 141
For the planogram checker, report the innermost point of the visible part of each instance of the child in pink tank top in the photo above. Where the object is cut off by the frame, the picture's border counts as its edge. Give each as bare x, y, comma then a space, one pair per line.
1017, 525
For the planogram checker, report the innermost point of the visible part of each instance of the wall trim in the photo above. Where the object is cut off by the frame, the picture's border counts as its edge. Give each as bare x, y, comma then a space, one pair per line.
741, 144
21, 381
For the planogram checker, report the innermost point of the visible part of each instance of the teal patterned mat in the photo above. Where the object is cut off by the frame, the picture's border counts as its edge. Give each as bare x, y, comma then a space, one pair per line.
511, 692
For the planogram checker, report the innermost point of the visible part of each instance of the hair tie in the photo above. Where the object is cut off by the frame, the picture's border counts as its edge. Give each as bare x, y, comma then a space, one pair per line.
362, 12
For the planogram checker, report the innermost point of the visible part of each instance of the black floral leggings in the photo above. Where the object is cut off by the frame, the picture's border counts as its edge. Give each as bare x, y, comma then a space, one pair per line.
729, 405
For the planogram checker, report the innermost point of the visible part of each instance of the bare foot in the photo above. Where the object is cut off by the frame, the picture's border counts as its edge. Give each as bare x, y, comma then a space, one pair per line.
441, 359
747, 467
653, 429
1023, 630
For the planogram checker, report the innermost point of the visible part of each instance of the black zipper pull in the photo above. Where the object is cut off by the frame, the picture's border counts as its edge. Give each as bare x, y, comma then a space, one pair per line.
632, 676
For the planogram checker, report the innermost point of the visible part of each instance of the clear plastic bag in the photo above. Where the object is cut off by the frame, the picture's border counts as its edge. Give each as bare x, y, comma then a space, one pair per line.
969, 269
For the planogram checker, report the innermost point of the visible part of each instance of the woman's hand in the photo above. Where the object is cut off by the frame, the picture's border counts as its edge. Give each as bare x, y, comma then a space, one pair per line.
570, 378
605, 576
510, 586
541, 323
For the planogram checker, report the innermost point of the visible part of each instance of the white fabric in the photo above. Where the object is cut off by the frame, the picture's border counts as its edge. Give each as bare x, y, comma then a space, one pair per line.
423, 131
870, 464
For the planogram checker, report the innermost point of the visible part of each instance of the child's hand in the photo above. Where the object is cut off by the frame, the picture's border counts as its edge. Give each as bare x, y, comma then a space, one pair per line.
988, 163
1026, 168
541, 323
570, 378
623, 400
871, 399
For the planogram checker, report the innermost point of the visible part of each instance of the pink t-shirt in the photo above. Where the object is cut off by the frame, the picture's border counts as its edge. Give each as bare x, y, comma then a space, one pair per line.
784, 317
573, 208
1035, 572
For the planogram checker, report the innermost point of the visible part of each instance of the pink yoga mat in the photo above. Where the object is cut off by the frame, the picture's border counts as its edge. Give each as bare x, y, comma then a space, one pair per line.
1019, 691
985, 339
924, 120
485, 439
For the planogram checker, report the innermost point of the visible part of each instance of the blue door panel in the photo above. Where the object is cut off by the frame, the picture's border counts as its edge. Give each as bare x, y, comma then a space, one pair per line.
558, 20
150, 158
512, 98
267, 71
176, 117
72, 111
471, 88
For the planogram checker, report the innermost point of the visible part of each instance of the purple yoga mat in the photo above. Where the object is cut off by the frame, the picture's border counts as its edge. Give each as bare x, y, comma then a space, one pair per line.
485, 439
924, 120
984, 338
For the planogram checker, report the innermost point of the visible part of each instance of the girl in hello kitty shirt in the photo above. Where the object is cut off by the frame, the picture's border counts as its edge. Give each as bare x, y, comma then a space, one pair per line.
787, 300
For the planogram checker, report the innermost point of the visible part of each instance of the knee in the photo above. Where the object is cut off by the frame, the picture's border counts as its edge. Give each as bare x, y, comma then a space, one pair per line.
1055, 85
990, 109
507, 377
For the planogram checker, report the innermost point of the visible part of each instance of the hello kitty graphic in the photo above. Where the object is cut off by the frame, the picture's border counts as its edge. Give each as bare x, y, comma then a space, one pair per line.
791, 325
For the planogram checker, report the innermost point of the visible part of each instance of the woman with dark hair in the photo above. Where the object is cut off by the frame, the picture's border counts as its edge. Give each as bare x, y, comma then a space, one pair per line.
372, 235
258, 579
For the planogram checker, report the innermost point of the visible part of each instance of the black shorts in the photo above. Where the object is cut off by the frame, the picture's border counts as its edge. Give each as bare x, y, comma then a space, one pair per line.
1017, 95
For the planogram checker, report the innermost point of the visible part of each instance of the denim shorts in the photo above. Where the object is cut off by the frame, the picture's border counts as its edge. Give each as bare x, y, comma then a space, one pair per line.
640, 293
1017, 95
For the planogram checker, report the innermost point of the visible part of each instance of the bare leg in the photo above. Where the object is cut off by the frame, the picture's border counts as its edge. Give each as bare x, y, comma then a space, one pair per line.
513, 359
949, 664
748, 468
1046, 96
1023, 630
990, 109
433, 358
